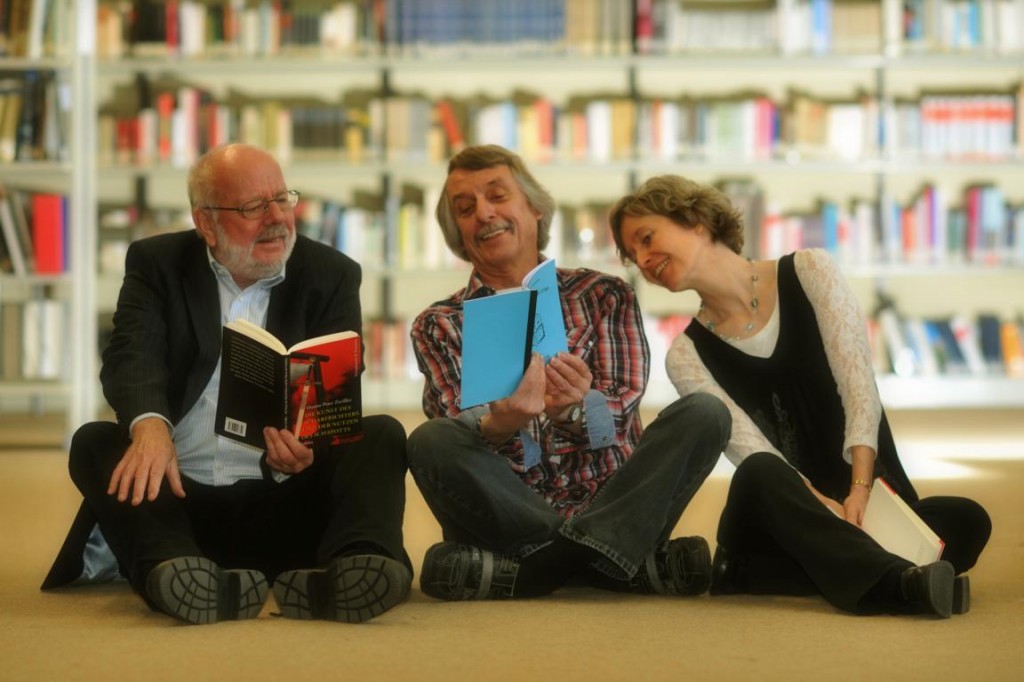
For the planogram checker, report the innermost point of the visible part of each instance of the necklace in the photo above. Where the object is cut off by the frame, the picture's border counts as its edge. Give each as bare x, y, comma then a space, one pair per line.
702, 314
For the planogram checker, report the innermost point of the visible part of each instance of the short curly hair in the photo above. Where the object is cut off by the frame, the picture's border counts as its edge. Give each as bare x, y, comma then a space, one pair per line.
686, 203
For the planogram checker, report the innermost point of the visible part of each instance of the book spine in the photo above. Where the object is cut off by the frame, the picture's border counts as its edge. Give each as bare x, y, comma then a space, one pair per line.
532, 317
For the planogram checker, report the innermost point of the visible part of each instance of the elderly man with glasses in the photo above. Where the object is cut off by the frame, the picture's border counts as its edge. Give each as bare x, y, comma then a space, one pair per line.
200, 525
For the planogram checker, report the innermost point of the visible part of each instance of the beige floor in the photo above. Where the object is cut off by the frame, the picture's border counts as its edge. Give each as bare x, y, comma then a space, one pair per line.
106, 633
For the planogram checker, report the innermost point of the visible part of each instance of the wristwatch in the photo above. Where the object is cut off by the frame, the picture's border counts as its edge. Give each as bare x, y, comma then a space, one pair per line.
574, 415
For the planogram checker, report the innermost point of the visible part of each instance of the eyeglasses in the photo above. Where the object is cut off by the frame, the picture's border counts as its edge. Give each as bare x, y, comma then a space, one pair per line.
257, 208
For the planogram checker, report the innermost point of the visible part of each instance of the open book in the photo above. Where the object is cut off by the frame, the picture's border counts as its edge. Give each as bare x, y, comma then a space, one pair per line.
311, 389
897, 528
500, 332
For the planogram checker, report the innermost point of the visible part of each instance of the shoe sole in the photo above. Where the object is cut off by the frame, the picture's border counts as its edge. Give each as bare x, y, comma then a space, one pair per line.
352, 589
961, 594
197, 591
938, 597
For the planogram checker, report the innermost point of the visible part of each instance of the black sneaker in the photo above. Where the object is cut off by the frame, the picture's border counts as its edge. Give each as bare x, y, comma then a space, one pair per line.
351, 589
195, 590
680, 567
455, 572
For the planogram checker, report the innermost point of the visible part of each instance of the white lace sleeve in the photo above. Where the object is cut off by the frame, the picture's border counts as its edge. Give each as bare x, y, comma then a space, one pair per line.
689, 375
846, 345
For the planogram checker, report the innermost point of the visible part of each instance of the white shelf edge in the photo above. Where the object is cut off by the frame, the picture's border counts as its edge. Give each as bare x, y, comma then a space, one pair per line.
950, 392
916, 393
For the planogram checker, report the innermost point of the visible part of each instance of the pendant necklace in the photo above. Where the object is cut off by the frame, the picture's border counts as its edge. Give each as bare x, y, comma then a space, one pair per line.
702, 314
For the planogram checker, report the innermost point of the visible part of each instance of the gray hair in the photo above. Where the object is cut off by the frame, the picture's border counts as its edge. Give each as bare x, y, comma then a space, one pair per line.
481, 157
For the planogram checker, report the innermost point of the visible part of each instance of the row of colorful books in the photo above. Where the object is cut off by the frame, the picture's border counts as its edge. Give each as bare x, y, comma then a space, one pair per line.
982, 345
963, 25
964, 127
979, 345
976, 226
361, 27
34, 113
589, 27
33, 232
179, 122
34, 29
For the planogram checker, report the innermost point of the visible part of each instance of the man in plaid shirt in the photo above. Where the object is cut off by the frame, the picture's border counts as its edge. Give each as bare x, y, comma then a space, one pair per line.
559, 478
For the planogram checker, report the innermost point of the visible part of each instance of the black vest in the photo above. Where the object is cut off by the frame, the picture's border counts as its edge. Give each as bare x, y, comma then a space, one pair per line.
792, 396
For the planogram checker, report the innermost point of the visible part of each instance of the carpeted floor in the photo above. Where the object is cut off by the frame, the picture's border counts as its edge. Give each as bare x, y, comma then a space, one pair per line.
106, 633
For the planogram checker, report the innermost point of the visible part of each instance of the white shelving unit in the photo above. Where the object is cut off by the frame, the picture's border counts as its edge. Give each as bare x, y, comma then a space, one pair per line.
72, 62
892, 72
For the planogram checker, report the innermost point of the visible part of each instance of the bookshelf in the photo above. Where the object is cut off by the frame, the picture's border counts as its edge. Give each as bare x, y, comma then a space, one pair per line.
566, 64
47, 200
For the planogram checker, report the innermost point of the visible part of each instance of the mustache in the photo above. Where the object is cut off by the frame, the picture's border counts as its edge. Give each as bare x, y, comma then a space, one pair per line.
492, 228
273, 232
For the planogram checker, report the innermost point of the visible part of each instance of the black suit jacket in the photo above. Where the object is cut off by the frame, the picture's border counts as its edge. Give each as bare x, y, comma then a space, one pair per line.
167, 335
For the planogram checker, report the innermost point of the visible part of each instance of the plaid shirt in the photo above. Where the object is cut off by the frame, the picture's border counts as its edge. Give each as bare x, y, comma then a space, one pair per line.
604, 328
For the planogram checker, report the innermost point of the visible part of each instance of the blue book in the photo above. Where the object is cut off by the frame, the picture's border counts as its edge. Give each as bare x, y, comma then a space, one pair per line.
548, 323
497, 341
501, 332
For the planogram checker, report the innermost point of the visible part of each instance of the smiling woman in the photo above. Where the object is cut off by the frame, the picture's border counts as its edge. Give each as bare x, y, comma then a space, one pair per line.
783, 345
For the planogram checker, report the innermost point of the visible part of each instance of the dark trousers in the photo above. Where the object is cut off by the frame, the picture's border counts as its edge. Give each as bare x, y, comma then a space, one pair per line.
479, 500
353, 493
787, 542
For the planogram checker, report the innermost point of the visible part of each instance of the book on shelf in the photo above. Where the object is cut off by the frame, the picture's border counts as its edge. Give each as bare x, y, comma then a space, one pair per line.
890, 521
43, 334
1013, 348
916, 334
49, 233
991, 343
502, 331
17, 242
947, 348
11, 99
312, 388
10, 340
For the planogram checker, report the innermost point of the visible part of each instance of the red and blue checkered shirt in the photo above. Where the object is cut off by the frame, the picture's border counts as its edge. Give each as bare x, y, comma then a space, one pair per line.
604, 328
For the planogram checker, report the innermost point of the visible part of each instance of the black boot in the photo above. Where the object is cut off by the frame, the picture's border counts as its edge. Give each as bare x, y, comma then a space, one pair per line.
929, 588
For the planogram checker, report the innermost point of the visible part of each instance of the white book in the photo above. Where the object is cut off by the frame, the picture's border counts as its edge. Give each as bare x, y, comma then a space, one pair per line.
898, 529
966, 333
31, 334
51, 339
36, 22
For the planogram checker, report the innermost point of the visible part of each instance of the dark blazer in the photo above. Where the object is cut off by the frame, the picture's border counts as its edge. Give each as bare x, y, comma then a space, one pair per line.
167, 335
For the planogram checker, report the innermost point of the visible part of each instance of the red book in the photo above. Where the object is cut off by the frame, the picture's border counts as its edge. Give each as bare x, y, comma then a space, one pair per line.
164, 110
311, 388
173, 26
972, 199
450, 123
48, 233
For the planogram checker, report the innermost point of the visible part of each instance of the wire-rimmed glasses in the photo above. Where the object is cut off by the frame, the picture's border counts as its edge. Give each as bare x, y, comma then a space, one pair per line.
257, 208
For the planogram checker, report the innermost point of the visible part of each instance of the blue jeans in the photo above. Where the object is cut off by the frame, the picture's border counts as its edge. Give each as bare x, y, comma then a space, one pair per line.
479, 500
